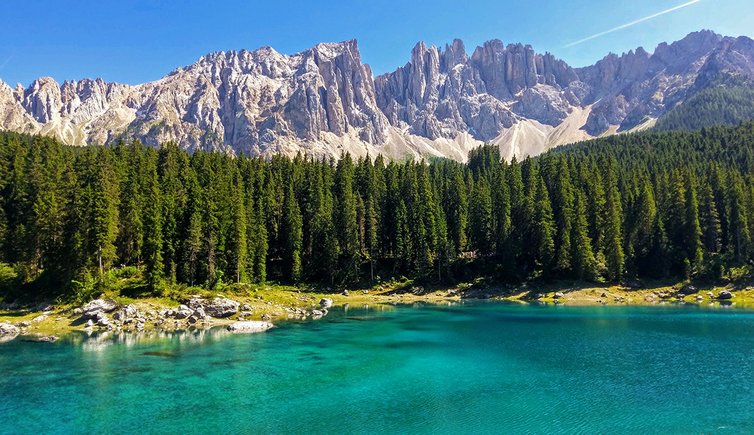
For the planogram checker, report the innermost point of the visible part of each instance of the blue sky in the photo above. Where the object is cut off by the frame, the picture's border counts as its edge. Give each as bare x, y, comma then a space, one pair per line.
137, 41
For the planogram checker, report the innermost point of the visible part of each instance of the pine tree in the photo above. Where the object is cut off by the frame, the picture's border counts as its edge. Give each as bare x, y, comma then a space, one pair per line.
238, 233
738, 231
501, 211
645, 228
693, 229
291, 231
152, 245
563, 211
543, 228
257, 227
480, 218
613, 224
584, 266
103, 215
131, 225
457, 210
173, 167
344, 218
709, 219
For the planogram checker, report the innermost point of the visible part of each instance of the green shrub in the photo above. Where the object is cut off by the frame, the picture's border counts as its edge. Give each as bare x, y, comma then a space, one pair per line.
8, 278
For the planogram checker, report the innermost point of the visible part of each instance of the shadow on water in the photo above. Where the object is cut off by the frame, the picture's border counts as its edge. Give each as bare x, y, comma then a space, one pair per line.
161, 353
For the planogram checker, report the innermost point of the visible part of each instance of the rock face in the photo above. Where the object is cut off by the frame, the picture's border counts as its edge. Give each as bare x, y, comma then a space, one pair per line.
253, 102
441, 93
324, 100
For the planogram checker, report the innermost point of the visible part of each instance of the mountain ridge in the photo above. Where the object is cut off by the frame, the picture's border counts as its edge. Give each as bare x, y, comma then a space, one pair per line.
325, 100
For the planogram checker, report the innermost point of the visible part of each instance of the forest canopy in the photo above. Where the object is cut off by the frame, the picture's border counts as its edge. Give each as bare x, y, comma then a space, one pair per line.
649, 205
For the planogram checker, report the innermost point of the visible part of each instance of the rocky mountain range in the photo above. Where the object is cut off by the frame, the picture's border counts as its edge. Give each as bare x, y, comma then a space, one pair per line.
325, 100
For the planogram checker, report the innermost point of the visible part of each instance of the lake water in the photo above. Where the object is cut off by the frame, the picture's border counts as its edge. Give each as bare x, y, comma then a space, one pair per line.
471, 368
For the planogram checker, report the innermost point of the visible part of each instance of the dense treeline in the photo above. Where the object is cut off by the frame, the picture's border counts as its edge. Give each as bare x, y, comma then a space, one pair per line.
647, 205
727, 104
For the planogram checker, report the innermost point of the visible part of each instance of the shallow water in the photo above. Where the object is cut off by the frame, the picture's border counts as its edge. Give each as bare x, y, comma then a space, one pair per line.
481, 368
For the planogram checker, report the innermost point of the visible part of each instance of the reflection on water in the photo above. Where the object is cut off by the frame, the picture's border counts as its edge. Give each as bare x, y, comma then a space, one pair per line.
99, 341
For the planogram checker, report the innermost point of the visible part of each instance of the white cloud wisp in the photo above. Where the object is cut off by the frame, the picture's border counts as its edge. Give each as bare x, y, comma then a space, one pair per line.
633, 23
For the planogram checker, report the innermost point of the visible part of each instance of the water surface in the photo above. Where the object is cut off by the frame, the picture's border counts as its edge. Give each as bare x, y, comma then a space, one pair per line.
482, 368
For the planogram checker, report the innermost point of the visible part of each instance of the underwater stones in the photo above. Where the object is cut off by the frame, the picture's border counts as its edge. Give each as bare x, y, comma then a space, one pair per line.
249, 326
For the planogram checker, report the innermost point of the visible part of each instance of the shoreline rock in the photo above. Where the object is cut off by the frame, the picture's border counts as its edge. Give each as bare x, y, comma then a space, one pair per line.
725, 295
218, 307
96, 307
249, 326
8, 332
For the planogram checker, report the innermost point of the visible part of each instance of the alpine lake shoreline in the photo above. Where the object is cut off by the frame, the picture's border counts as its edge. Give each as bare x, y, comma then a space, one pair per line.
263, 307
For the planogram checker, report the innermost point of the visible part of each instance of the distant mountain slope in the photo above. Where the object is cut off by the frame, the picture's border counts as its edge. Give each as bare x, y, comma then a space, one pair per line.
443, 102
725, 104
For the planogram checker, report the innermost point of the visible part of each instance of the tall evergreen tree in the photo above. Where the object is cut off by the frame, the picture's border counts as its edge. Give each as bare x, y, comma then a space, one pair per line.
291, 230
613, 225
480, 218
152, 245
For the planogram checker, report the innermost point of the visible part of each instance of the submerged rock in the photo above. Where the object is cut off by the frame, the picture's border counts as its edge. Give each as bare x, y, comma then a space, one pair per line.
249, 326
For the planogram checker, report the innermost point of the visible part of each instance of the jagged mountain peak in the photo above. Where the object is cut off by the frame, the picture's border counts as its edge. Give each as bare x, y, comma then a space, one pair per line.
324, 100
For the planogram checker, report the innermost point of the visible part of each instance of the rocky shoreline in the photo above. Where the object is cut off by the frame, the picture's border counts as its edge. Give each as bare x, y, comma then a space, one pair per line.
259, 313
106, 315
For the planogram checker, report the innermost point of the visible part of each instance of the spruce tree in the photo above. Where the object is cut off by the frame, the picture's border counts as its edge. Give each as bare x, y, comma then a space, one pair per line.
291, 231
613, 223
344, 218
480, 218
584, 266
152, 245
543, 229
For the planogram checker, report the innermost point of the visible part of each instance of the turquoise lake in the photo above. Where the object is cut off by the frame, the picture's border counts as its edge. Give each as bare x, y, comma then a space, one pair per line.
468, 368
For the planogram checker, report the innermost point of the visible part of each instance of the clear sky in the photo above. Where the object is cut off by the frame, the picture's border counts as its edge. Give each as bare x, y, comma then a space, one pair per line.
142, 40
